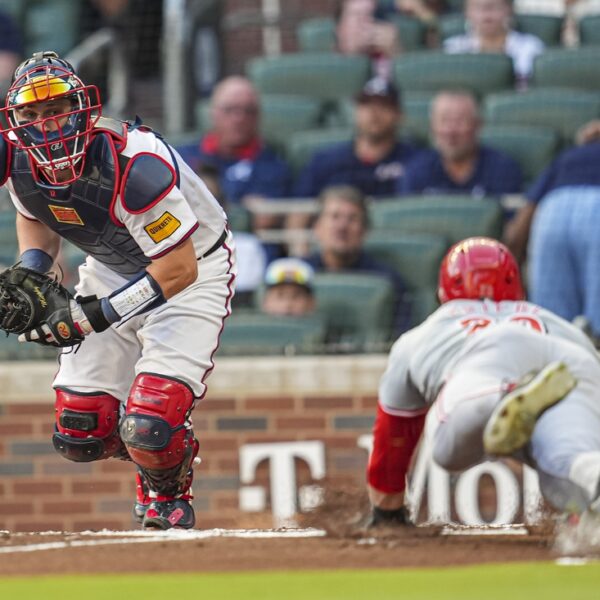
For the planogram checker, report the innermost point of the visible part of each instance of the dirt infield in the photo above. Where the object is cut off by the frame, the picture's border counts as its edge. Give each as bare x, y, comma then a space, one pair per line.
330, 537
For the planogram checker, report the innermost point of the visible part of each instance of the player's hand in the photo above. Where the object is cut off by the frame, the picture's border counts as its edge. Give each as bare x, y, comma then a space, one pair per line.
379, 517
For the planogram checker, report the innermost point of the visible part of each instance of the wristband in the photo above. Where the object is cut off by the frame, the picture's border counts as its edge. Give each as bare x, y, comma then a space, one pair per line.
36, 260
136, 297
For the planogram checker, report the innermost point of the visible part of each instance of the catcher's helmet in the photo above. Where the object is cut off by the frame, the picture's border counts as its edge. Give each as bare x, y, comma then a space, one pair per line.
477, 268
56, 143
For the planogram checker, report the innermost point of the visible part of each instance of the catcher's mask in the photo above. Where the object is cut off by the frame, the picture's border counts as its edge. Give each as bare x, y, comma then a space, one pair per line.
477, 268
55, 140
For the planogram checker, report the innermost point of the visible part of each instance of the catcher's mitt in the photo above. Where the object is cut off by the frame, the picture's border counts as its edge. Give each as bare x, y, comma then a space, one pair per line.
37, 306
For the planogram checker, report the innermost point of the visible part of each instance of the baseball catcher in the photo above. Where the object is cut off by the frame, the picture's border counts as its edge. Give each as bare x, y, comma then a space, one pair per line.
505, 378
153, 291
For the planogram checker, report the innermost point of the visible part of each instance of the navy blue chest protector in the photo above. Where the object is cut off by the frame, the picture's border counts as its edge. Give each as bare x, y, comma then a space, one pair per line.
81, 212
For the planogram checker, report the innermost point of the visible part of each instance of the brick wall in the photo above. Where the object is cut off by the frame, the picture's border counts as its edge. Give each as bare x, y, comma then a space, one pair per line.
250, 401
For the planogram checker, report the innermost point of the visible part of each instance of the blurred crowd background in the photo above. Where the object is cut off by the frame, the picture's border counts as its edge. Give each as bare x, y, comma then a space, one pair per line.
351, 143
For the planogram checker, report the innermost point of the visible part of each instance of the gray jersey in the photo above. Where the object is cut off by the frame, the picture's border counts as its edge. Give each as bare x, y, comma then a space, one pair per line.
421, 360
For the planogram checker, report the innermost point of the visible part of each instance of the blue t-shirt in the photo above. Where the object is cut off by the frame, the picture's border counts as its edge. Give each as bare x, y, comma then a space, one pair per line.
264, 175
339, 164
495, 173
365, 263
573, 167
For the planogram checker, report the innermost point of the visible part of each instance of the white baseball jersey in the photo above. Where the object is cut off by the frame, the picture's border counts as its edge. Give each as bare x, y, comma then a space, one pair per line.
421, 360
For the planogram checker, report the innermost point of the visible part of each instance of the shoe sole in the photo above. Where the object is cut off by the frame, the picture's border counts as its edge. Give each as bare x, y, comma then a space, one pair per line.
511, 425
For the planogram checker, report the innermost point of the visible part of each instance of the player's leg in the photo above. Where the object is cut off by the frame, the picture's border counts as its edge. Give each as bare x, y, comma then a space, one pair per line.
179, 341
552, 268
494, 362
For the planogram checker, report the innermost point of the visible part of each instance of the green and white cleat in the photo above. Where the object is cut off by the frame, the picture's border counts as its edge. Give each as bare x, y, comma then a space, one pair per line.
511, 424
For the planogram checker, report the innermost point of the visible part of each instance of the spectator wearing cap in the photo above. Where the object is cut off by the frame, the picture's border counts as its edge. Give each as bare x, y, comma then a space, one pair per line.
458, 162
374, 161
340, 231
288, 283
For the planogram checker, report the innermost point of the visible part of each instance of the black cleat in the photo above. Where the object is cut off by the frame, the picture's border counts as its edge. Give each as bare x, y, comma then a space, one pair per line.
166, 514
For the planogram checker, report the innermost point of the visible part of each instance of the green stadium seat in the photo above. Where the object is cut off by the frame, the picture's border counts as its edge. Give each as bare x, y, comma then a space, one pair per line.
416, 107
9, 249
547, 28
358, 309
561, 109
433, 71
327, 76
412, 32
253, 333
532, 147
316, 35
12, 349
589, 31
452, 216
416, 257
303, 144
51, 25
572, 68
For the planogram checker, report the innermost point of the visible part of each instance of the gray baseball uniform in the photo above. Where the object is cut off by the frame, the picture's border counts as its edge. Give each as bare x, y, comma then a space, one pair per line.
466, 355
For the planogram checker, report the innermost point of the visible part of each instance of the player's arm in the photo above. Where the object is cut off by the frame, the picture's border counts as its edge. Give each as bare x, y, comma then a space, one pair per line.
176, 270
38, 244
398, 426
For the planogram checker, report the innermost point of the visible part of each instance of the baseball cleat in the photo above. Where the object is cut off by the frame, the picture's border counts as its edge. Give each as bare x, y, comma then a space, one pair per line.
142, 497
166, 514
511, 424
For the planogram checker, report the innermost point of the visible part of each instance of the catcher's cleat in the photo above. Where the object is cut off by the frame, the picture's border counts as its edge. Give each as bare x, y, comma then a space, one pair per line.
511, 424
165, 514
142, 497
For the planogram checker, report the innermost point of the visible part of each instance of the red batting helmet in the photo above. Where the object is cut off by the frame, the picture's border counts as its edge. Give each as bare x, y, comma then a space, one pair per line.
55, 142
479, 267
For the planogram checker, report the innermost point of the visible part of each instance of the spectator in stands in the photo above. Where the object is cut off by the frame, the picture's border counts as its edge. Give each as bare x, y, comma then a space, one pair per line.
374, 160
288, 283
489, 30
251, 255
458, 162
424, 10
247, 167
358, 31
564, 248
340, 231
11, 50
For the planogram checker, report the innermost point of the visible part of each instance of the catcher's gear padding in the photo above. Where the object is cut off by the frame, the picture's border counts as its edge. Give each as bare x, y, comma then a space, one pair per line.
157, 432
478, 268
40, 309
87, 426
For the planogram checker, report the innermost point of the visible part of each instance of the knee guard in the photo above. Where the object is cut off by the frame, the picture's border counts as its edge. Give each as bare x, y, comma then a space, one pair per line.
157, 433
87, 426
155, 428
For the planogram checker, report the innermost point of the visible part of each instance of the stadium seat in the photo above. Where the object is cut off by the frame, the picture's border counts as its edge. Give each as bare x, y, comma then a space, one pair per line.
51, 25
433, 71
416, 257
532, 147
416, 107
8, 237
562, 110
12, 349
253, 333
572, 68
452, 216
358, 309
303, 144
327, 76
450, 25
316, 35
589, 31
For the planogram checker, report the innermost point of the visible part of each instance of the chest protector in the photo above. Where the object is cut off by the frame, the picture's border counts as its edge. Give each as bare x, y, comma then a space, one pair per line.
82, 212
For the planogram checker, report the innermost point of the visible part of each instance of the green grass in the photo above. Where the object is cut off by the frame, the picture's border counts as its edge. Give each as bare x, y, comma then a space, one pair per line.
525, 581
